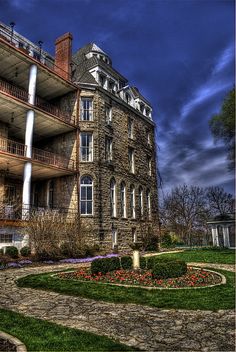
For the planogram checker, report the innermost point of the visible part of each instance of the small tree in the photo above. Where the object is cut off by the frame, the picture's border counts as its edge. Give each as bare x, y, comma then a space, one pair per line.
50, 230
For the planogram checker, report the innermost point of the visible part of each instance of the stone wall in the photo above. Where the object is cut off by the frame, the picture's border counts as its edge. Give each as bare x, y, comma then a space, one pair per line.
102, 172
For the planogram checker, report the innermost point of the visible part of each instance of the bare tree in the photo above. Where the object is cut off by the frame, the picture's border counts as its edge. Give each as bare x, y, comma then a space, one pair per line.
185, 212
52, 233
219, 201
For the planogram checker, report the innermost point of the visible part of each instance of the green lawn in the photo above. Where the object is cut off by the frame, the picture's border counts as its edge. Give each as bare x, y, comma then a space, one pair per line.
213, 298
220, 256
40, 335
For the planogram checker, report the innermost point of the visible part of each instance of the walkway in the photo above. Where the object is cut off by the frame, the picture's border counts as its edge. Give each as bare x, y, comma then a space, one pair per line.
148, 328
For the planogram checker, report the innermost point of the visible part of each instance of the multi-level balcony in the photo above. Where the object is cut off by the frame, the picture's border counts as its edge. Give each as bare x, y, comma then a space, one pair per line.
45, 164
17, 55
50, 120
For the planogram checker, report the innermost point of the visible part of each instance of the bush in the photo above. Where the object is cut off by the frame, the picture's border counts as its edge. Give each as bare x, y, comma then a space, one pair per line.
169, 269
25, 251
105, 265
166, 241
126, 263
152, 244
1, 251
11, 251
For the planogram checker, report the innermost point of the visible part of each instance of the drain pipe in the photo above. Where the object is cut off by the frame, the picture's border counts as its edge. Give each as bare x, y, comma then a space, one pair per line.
29, 127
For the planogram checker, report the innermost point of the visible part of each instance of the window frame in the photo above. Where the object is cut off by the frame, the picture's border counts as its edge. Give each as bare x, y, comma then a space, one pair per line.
108, 148
123, 200
113, 202
130, 128
140, 200
3, 238
131, 160
132, 202
148, 199
86, 111
86, 200
89, 152
108, 114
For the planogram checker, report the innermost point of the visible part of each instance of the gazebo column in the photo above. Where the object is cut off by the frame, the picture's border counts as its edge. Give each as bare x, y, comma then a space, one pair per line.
226, 235
215, 238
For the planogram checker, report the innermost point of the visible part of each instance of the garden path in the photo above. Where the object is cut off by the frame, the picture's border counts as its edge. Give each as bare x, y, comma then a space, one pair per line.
148, 328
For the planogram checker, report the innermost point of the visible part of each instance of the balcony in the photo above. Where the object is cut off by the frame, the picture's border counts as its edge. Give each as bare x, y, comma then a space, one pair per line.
10, 214
45, 164
17, 55
22, 94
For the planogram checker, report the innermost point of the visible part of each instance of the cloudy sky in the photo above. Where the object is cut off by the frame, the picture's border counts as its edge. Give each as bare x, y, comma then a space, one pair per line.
179, 53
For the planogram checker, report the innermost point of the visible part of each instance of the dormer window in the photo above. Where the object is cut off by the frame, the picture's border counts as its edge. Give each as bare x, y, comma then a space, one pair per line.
147, 112
102, 80
141, 105
111, 86
127, 98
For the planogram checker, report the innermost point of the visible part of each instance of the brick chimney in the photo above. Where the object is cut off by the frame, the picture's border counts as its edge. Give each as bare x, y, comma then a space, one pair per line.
63, 55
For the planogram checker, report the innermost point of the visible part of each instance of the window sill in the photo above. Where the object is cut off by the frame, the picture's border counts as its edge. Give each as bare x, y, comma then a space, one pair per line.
87, 215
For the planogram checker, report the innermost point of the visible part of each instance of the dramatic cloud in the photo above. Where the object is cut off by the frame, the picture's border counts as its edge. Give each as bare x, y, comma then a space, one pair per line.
180, 54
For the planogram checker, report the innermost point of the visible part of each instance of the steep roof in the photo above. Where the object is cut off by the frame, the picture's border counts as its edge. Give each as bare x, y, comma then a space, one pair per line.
137, 94
84, 64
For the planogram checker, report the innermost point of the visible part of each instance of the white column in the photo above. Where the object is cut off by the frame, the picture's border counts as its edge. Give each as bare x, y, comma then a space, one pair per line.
215, 238
29, 127
226, 236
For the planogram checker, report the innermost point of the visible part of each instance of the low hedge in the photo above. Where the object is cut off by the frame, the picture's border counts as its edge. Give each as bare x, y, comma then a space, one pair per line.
161, 268
169, 269
105, 265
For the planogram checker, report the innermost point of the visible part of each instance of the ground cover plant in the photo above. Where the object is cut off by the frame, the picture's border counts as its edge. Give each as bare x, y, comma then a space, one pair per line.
40, 335
192, 278
212, 298
208, 255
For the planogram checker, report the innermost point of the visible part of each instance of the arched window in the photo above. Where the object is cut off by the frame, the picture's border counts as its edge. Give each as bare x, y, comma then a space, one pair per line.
132, 201
123, 199
148, 194
86, 195
140, 200
113, 197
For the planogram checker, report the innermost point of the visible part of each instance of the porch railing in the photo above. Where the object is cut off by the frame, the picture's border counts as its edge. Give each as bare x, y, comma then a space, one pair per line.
15, 148
33, 50
16, 211
42, 104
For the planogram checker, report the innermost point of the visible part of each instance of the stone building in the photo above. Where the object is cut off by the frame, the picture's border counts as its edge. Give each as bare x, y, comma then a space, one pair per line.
74, 138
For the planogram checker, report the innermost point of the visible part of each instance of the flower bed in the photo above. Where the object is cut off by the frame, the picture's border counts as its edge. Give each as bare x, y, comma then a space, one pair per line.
193, 278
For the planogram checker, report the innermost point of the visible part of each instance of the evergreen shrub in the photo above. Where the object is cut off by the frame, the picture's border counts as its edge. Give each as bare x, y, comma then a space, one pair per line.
105, 265
25, 251
169, 269
11, 251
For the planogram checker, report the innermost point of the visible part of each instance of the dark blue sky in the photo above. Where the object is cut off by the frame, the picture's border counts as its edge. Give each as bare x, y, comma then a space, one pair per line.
180, 54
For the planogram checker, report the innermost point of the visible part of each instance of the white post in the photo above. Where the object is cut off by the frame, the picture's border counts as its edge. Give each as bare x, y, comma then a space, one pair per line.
29, 127
215, 238
226, 236
136, 259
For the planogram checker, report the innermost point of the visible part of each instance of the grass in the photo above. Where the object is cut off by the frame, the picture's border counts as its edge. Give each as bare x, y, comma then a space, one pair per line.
212, 298
40, 335
220, 256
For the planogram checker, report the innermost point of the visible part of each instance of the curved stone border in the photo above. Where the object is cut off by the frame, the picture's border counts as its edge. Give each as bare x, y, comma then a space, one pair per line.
223, 282
20, 347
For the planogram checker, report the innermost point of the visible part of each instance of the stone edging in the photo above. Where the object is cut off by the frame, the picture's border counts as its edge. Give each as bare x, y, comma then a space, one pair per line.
223, 282
20, 347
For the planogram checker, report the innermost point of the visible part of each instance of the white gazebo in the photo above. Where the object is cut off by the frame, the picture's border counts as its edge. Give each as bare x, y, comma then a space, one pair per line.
223, 230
